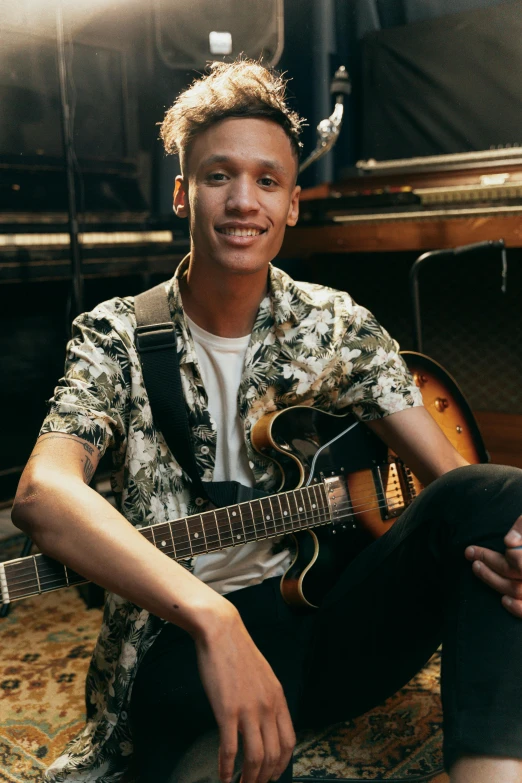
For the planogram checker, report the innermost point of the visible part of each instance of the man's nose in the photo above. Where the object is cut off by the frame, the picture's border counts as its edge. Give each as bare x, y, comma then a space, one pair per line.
242, 196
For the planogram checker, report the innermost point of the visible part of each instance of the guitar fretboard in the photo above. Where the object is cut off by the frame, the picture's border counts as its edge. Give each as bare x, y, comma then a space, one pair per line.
274, 515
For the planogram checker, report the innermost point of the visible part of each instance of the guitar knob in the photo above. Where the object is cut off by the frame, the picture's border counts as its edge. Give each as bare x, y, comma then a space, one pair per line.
441, 404
419, 379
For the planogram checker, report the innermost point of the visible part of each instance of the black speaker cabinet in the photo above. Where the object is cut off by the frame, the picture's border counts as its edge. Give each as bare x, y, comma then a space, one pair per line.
190, 33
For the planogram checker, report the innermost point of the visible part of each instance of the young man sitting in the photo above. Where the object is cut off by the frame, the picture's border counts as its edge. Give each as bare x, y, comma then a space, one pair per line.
187, 648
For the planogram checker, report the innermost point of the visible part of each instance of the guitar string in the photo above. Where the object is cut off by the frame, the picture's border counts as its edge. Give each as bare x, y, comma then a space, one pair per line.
257, 520
43, 571
226, 528
59, 581
171, 548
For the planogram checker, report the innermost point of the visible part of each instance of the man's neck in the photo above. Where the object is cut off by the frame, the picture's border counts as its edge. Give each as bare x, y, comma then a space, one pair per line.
226, 304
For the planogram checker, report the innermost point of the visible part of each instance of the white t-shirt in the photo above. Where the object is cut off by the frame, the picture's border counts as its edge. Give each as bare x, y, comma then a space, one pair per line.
221, 361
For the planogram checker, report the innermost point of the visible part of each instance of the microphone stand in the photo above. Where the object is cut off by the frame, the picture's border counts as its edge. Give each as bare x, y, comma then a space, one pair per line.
68, 144
328, 130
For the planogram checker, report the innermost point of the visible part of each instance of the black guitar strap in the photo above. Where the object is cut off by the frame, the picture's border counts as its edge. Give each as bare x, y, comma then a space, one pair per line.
155, 338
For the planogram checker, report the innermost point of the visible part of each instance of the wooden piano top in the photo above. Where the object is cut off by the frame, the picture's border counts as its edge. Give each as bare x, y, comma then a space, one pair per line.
438, 202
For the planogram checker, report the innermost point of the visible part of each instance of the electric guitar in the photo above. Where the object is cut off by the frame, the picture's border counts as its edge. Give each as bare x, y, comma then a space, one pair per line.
340, 485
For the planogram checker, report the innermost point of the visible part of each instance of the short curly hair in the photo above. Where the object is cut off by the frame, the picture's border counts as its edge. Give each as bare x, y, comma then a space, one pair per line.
243, 88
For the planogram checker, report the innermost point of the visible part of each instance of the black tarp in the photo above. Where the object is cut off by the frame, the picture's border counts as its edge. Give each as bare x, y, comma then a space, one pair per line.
451, 84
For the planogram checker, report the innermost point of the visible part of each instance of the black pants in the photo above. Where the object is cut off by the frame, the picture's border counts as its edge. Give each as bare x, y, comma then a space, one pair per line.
393, 605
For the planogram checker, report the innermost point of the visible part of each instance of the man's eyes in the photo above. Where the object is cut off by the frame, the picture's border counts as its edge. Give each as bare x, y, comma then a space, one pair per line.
219, 176
268, 181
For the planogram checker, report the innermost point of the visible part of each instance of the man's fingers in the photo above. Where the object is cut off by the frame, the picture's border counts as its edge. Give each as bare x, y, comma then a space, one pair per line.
272, 750
253, 750
227, 750
503, 585
514, 537
512, 605
286, 741
495, 561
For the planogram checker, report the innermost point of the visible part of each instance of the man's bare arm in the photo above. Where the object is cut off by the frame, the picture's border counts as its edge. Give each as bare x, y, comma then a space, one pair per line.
72, 523
417, 438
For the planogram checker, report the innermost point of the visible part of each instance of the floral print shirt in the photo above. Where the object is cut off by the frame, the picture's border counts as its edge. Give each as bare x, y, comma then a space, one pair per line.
310, 345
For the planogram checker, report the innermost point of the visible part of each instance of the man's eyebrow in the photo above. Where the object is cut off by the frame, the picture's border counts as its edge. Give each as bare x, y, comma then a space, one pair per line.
269, 165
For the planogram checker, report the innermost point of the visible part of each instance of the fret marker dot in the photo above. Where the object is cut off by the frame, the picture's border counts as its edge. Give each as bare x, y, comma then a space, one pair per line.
285, 513
238, 536
300, 508
196, 535
313, 505
163, 543
268, 516
234, 514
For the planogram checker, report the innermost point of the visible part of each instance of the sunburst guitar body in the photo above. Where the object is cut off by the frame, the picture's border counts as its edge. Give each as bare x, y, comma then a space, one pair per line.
309, 446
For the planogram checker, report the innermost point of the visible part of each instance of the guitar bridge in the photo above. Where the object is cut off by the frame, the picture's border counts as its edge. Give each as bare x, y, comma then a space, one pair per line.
337, 497
389, 490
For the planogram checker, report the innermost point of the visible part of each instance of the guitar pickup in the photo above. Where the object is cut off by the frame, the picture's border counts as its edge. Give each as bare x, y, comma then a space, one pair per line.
389, 488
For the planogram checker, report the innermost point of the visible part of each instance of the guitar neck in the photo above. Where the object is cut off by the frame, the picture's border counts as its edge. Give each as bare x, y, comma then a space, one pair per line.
274, 515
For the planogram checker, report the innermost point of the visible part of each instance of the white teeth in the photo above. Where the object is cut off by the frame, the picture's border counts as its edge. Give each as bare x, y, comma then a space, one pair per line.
241, 232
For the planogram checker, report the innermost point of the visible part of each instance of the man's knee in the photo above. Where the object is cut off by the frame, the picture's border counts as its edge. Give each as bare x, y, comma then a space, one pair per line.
478, 500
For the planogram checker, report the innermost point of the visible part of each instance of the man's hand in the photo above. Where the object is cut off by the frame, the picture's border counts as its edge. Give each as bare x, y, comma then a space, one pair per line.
502, 572
246, 698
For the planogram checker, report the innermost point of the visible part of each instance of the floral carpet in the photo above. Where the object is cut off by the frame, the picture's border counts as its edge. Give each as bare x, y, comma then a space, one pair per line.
45, 646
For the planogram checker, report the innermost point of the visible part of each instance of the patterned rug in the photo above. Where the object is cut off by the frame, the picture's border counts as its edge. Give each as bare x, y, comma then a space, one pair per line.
45, 646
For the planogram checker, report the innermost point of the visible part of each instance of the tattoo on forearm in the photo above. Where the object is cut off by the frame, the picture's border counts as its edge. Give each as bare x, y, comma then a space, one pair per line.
86, 446
88, 469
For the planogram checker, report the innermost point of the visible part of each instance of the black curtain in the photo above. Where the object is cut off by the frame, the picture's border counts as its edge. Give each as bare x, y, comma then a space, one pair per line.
444, 85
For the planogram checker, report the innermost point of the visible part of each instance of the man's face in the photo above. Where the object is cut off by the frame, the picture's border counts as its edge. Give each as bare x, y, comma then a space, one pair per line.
238, 191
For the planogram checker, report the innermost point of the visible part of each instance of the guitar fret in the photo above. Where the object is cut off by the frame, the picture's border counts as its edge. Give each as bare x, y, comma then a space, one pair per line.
298, 508
247, 518
240, 510
204, 532
147, 533
317, 504
309, 506
236, 525
37, 575
224, 527
274, 515
174, 551
189, 542
211, 530
292, 510
161, 532
196, 535
285, 511
217, 528
324, 501
266, 511
259, 520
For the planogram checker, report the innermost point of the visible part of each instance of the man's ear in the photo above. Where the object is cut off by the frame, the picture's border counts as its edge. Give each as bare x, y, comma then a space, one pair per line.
293, 212
180, 198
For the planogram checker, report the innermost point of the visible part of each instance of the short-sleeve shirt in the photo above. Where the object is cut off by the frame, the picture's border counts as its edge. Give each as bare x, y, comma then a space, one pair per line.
310, 345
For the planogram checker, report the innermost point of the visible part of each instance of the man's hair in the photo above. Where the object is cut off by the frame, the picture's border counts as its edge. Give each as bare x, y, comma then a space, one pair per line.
243, 88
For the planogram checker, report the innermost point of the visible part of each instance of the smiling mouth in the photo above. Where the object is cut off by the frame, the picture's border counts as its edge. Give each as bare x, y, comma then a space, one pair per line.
241, 232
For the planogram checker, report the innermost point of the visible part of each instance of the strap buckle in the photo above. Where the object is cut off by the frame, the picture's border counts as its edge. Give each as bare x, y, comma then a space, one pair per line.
155, 337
